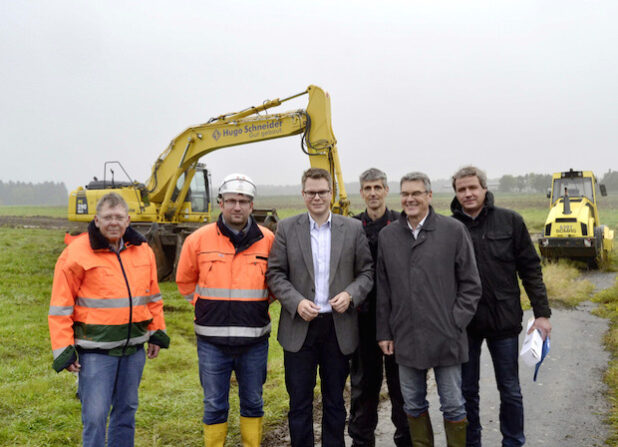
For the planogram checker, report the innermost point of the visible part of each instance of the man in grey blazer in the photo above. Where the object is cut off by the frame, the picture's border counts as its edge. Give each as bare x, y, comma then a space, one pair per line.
320, 269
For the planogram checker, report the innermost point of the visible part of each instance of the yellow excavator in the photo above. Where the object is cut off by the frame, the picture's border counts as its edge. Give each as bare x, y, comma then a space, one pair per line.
176, 198
573, 227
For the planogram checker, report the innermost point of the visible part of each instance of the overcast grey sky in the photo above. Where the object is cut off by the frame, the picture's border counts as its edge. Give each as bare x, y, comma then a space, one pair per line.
513, 86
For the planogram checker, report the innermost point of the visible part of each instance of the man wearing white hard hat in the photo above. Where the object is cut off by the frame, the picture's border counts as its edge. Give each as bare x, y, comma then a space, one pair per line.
221, 272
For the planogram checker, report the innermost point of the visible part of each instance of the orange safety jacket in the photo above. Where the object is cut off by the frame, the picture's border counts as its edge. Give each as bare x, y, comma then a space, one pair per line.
227, 284
105, 300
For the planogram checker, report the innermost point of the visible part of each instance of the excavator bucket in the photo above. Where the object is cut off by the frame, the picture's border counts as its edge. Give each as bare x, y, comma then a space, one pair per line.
266, 217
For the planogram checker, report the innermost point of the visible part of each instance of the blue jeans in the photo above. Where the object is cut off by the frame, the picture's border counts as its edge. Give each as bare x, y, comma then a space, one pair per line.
414, 389
216, 366
107, 381
504, 355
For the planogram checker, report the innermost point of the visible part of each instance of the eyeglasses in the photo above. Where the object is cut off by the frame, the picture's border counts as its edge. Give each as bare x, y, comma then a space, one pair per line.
321, 194
113, 217
415, 194
233, 202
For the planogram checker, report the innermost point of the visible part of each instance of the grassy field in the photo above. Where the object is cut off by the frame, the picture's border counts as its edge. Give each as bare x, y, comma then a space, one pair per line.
533, 207
51, 211
38, 407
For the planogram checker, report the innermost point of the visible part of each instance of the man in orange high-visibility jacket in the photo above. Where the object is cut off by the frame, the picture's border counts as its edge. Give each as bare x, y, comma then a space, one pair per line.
105, 305
221, 271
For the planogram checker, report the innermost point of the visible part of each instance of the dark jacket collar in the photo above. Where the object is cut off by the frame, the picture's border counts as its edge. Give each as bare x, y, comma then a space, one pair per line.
385, 219
459, 213
429, 224
244, 239
99, 242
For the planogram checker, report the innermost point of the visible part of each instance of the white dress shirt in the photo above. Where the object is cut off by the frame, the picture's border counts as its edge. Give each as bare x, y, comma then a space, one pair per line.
320, 251
417, 230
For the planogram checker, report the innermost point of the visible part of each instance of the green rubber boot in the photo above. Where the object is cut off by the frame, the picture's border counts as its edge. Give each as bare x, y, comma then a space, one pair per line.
421, 430
455, 433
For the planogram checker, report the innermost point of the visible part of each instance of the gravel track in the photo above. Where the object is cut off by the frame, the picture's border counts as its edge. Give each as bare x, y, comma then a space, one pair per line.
567, 404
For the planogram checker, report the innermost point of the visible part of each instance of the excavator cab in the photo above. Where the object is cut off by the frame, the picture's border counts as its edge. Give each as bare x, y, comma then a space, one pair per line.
199, 192
198, 195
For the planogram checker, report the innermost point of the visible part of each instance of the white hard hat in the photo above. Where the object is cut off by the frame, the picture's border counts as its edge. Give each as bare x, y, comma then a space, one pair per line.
237, 184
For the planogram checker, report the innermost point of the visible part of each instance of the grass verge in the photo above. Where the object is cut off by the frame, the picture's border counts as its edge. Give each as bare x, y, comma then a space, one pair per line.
564, 288
608, 308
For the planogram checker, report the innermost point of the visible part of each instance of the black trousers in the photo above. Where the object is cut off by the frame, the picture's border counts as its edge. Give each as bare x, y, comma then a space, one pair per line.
320, 349
366, 374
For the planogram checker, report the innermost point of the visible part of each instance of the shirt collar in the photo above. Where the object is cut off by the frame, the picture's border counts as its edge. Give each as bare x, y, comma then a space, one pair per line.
313, 224
420, 224
120, 247
237, 232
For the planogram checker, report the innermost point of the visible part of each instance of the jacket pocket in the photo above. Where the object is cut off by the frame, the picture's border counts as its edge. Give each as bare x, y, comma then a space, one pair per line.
508, 310
500, 246
99, 280
255, 266
207, 262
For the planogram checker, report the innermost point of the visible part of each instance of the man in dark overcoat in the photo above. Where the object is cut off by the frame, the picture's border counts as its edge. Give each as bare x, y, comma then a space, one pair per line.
428, 288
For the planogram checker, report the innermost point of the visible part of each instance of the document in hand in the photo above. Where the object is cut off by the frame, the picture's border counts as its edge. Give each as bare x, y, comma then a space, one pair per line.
546, 348
532, 348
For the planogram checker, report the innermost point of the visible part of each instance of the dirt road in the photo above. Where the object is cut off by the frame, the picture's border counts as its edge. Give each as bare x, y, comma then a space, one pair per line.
565, 407
55, 223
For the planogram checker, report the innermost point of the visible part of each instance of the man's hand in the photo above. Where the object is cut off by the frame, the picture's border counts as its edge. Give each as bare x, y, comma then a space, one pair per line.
307, 310
340, 302
153, 351
74, 367
543, 325
387, 347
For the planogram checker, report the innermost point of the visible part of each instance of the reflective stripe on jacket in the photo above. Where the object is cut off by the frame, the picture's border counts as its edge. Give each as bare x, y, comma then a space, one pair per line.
227, 287
96, 291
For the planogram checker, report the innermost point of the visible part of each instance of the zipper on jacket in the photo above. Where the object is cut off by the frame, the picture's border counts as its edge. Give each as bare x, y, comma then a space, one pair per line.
130, 302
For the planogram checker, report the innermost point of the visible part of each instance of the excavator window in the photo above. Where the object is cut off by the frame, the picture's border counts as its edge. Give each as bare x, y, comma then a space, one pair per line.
200, 196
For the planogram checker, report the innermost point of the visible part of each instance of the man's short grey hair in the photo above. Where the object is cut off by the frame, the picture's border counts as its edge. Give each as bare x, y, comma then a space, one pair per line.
470, 171
112, 199
373, 175
414, 177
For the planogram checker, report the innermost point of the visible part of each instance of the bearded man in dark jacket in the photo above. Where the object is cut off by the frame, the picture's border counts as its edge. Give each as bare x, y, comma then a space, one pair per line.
503, 250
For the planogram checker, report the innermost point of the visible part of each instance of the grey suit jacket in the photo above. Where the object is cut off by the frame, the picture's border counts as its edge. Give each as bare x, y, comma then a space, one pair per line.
290, 277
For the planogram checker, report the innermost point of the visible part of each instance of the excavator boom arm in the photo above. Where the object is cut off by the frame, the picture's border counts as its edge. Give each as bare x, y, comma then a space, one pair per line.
247, 127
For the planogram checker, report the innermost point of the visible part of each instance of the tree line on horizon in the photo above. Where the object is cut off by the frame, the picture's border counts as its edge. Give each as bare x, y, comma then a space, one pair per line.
28, 193
527, 183
541, 182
